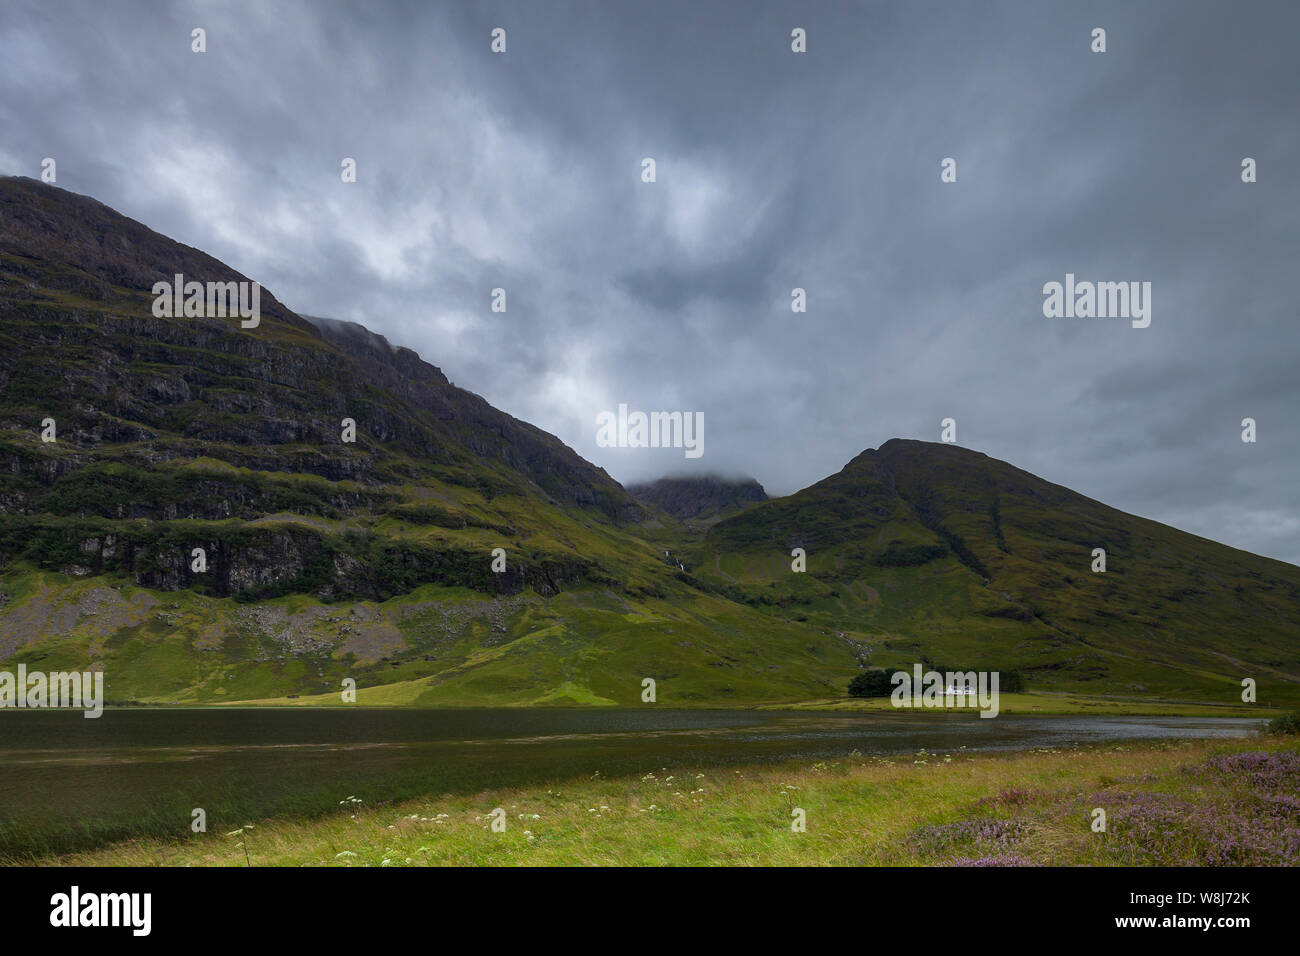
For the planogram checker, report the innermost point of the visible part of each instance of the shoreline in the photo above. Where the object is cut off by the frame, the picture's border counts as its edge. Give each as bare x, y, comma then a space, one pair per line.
1032, 703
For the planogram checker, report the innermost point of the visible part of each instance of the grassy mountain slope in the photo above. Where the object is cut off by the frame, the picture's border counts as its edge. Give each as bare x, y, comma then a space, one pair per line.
373, 559
325, 559
931, 551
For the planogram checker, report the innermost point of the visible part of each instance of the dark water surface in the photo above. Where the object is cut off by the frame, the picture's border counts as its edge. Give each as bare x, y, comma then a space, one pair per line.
71, 782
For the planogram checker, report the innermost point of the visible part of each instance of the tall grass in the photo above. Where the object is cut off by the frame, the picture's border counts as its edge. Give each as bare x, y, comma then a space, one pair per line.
1167, 802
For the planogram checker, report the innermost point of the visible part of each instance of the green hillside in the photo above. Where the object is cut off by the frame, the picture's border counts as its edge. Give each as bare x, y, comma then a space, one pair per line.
325, 559
923, 551
374, 559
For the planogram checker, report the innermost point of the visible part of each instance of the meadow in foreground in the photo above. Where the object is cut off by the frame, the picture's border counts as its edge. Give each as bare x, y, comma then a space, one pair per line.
1166, 803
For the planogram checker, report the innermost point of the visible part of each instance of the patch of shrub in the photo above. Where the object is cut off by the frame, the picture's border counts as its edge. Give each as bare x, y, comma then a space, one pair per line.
1285, 724
983, 833
871, 683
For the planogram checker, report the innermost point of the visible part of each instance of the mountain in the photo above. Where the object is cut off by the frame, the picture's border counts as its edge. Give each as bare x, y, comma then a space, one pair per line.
704, 499
919, 549
180, 439
324, 559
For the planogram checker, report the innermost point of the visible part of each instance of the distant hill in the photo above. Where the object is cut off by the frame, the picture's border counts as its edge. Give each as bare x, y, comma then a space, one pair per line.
704, 498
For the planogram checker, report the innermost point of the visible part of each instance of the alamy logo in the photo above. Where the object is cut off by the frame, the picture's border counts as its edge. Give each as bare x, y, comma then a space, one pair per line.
656, 430
74, 908
35, 689
213, 300
924, 688
1098, 300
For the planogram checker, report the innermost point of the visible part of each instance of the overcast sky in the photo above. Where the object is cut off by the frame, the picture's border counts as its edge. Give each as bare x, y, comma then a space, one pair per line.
775, 170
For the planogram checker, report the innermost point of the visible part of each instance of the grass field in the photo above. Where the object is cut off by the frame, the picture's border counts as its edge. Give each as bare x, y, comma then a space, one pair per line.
1029, 703
1060, 705
1166, 803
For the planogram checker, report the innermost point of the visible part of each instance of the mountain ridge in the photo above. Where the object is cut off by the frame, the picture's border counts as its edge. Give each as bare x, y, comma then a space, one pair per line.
996, 544
378, 559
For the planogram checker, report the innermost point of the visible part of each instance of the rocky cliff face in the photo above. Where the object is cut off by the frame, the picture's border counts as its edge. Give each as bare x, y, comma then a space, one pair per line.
197, 419
59, 241
485, 430
82, 347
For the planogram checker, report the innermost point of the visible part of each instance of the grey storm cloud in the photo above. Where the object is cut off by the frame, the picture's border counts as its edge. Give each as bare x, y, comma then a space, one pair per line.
775, 170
